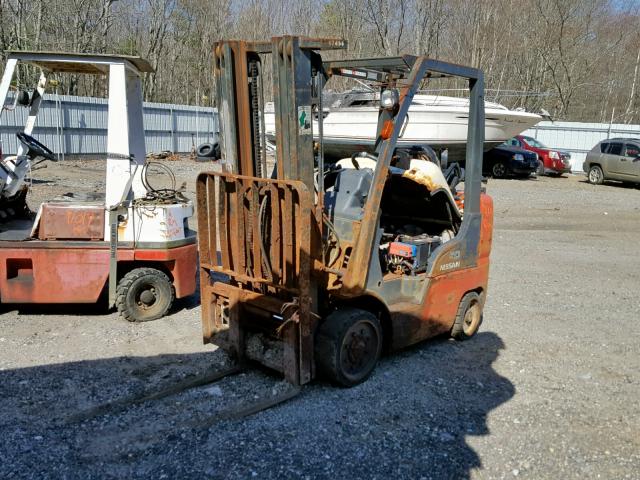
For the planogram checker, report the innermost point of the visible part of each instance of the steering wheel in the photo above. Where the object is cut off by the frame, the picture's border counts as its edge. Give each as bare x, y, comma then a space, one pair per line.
36, 149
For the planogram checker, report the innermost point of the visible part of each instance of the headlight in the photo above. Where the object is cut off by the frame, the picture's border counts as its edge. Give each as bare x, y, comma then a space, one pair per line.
389, 99
518, 157
554, 155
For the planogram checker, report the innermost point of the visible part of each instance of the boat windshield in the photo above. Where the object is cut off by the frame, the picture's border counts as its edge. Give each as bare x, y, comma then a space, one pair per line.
364, 103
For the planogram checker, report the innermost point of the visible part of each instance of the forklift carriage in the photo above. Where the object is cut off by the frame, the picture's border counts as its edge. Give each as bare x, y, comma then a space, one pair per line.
321, 267
129, 242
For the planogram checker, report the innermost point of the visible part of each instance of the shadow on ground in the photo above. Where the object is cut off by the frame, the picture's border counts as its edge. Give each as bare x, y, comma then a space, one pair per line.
90, 309
614, 183
412, 418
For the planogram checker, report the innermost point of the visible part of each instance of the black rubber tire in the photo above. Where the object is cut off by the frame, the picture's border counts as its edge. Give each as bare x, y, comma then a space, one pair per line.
144, 281
216, 151
595, 175
331, 351
468, 317
205, 150
540, 169
499, 170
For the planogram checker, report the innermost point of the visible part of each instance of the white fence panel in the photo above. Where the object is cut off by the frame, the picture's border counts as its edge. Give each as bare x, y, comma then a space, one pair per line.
78, 126
578, 137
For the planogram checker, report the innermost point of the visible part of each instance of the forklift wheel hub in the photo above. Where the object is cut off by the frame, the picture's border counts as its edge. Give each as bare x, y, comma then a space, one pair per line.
359, 348
472, 319
147, 297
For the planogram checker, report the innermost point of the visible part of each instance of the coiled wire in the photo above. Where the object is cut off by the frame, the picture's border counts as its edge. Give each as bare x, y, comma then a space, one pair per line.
160, 195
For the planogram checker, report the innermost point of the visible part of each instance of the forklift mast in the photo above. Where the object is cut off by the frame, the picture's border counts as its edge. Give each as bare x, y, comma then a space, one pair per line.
298, 80
281, 269
271, 230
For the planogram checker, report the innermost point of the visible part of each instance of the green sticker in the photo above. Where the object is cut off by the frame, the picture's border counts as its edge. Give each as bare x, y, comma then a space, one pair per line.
304, 120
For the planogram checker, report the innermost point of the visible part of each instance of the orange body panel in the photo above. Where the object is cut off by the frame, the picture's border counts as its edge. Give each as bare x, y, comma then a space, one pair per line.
412, 323
55, 272
182, 262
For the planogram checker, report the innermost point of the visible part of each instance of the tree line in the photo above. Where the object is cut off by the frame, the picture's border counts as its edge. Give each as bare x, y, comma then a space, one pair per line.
577, 59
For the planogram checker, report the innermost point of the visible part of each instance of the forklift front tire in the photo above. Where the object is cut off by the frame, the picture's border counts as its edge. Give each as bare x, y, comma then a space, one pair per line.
348, 345
468, 317
144, 294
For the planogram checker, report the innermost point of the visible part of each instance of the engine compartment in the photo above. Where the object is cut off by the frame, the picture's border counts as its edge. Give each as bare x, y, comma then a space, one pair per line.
418, 211
415, 222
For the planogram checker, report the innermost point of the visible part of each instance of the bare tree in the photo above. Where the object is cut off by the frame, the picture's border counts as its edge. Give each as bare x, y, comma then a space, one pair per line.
579, 59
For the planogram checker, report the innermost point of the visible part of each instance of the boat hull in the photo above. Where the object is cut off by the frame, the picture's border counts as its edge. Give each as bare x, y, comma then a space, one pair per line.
353, 129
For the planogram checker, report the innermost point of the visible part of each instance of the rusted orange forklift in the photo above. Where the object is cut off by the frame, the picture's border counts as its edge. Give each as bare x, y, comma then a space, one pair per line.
318, 268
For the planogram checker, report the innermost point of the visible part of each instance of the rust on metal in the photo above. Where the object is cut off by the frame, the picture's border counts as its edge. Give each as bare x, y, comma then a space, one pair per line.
245, 410
68, 221
122, 404
245, 259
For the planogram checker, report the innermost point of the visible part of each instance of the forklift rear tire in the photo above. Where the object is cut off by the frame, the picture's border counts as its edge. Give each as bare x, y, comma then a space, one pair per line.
144, 294
348, 345
468, 317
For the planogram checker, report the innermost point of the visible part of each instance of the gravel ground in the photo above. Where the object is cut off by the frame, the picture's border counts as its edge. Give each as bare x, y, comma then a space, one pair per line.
549, 388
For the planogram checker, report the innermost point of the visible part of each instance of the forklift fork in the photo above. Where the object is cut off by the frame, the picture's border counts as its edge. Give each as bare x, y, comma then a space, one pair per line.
235, 412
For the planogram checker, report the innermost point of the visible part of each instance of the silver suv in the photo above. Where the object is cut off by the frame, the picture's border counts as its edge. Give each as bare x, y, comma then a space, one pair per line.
614, 159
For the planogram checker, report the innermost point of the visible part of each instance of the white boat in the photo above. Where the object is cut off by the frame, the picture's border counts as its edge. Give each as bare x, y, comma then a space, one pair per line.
439, 121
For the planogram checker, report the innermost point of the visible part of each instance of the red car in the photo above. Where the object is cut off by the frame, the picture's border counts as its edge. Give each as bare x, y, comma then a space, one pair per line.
552, 161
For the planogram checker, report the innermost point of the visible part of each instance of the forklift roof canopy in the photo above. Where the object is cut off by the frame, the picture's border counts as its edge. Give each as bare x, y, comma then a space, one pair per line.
375, 68
87, 63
